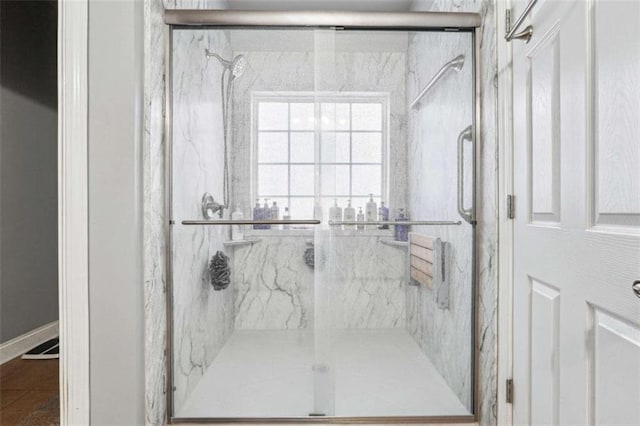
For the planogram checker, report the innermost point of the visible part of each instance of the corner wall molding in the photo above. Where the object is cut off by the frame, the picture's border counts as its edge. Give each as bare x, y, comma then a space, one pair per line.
19, 345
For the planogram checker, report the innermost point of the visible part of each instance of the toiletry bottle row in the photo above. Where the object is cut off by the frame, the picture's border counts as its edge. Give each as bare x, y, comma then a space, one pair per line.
266, 213
371, 214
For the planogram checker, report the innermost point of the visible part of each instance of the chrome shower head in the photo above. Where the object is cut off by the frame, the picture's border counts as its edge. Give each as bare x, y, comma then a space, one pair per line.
236, 66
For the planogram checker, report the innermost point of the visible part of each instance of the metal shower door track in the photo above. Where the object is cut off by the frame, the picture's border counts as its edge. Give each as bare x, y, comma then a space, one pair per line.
356, 20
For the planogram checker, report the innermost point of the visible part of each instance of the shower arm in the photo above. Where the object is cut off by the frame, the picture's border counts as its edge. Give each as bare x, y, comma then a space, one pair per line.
454, 64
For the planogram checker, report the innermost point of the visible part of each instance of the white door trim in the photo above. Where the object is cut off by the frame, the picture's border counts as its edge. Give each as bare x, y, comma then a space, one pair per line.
505, 225
73, 219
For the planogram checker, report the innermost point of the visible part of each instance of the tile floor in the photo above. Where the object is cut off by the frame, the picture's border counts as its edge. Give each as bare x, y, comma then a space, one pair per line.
269, 373
29, 392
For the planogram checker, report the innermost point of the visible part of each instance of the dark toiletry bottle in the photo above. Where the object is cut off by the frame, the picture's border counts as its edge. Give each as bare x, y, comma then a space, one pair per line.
401, 231
383, 215
257, 213
266, 213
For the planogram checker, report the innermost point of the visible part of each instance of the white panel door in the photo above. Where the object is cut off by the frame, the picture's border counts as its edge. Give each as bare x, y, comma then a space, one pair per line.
577, 226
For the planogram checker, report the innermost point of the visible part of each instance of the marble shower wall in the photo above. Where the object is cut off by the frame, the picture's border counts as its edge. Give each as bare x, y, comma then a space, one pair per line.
274, 287
202, 317
365, 282
443, 334
487, 211
272, 284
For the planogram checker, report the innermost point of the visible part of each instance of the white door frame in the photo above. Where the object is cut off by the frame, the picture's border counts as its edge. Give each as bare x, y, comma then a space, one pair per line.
73, 209
505, 225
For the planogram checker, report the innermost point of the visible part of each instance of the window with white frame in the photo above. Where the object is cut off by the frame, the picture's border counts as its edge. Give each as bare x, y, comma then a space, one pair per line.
331, 146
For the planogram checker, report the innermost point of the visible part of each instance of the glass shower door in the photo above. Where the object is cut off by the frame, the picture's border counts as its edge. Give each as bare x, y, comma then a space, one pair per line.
297, 286
245, 205
395, 301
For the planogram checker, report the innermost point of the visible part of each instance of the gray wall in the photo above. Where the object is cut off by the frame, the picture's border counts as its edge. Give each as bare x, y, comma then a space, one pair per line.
115, 213
28, 167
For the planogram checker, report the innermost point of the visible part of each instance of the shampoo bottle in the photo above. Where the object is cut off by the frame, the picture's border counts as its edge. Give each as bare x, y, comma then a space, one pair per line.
372, 210
360, 218
257, 213
383, 215
266, 213
401, 231
349, 215
275, 213
335, 213
286, 216
237, 231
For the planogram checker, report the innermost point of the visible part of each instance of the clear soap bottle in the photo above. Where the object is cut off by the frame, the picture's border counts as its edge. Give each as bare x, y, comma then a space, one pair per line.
371, 210
237, 231
286, 216
335, 213
349, 215
360, 218
275, 213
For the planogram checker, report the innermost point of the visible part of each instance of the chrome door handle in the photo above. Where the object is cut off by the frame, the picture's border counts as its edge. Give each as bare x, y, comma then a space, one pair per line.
465, 135
636, 288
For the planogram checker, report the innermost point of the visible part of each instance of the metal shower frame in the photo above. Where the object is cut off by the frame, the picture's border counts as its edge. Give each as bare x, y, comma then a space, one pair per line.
339, 20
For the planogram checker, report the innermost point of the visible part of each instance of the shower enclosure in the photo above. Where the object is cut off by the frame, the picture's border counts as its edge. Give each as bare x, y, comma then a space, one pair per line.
346, 292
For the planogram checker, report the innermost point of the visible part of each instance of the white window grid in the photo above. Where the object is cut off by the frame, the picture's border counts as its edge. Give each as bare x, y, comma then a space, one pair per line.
317, 99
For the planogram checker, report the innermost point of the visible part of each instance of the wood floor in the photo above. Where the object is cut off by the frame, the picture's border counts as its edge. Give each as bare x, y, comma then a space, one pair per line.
29, 392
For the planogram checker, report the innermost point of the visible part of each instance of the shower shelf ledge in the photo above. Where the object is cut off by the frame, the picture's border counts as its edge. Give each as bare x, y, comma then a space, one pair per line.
238, 243
394, 243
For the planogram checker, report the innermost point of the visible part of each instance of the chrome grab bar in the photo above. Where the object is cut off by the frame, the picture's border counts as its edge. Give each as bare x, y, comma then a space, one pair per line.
465, 135
455, 64
252, 222
527, 32
399, 222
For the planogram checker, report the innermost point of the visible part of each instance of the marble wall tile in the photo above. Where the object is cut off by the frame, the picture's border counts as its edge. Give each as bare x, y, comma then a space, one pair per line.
364, 281
272, 284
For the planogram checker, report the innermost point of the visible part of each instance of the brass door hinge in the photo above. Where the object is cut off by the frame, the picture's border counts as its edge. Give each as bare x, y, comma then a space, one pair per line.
509, 388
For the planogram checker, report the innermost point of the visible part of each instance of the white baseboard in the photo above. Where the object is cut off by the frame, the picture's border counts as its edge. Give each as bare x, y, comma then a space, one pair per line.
21, 344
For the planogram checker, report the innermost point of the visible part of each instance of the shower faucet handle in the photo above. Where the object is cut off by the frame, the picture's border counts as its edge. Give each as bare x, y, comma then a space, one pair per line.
210, 207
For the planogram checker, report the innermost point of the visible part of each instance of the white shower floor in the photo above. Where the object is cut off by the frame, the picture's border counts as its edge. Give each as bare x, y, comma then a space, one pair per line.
268, 373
